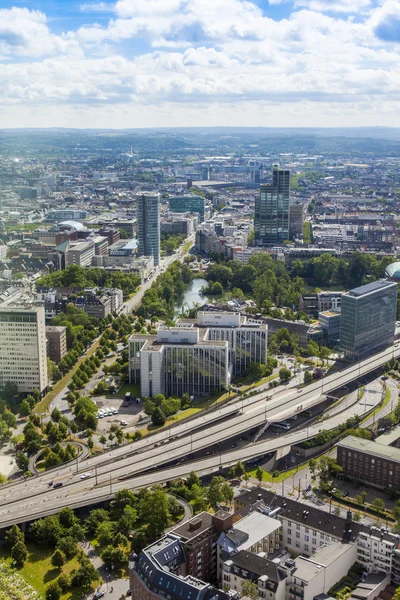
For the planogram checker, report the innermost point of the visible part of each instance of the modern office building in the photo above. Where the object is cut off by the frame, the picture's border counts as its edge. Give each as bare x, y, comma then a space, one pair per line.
148, 221
296, 220
178, 360
80, 253
23, 358
56, 342
368, 319
329, 321
248, 342
191, 203
271, 223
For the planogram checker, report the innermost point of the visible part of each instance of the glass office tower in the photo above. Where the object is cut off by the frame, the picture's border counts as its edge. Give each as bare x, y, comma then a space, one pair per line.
368, 319
148, 223
183, 204
271, 223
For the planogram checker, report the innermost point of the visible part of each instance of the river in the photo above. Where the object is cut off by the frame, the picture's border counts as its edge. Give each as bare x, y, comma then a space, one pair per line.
191, 295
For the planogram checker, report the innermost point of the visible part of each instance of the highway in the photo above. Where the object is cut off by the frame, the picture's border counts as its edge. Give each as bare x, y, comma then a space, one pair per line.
145, 462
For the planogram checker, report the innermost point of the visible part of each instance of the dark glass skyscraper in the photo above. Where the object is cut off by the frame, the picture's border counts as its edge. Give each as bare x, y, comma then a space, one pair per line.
148, 218
368, 319
271, 223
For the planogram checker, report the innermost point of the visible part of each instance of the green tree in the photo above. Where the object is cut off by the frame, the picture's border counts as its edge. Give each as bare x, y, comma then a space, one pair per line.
307, 377
67, 517
378, 504
285, 375
158, 418
68, 546
214, 494
227, 492
53, 591
114, 558
47, 531
19, 553
58, 558
250, 589
259, 474
14, 535
154, 508
64, 581
24, 409
105, 533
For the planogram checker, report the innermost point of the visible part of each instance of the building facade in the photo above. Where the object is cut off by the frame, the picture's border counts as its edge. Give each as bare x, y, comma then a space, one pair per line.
148, 223
296, 220
271, 223
80, 254
368, 319
56, 342
23, 358
190, 203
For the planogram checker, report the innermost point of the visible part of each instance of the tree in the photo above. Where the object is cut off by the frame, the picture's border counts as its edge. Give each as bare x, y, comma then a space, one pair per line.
378, 504
250, 589
53, 591
114, 558
357, 516
58, 559
227, 492
324, 353
67, 517
154, 507
105, 533
327, 468
84, 576
55, 415
214, 493
285, 374
259, 474
47, 531
158, 417
95, 517
14, 535
64, 581
68, 546
9, 418
19, 553
307, 377
24, 409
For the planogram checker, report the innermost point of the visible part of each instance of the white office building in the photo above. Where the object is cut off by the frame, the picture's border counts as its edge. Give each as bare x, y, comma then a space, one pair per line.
178, 360
23, 358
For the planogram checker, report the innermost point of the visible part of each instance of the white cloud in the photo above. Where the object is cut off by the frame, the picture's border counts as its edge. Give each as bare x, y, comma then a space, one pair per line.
97, 7
211, 56
345, 6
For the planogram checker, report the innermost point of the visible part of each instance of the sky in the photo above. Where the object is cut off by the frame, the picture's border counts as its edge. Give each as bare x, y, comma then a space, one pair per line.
188, 63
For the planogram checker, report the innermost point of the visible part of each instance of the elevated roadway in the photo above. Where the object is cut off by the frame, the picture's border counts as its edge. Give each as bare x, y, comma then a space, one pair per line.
148, 461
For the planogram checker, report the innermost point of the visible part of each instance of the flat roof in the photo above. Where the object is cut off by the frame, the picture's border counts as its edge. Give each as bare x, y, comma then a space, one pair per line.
374, 286
388, 438
370, 447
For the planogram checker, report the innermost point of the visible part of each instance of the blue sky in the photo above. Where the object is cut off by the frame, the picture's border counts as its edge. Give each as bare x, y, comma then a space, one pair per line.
142, 63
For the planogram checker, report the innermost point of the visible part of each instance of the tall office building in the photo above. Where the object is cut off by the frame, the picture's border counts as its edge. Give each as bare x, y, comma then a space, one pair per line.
368, 319
296, 220
23, 358
184, 204
271, 223
148, 218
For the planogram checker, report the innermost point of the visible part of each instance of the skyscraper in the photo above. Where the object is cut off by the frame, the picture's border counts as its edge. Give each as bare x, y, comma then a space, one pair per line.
23, 358
148, 218
271, 223
368, 319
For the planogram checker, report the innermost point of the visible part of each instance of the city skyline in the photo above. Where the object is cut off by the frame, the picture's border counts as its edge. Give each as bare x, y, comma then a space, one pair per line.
154, 63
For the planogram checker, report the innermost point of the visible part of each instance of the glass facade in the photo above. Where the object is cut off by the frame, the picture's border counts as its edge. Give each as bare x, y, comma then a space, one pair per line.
246, 345
368, 319
148, 223
271, 223
182, 204
197, 370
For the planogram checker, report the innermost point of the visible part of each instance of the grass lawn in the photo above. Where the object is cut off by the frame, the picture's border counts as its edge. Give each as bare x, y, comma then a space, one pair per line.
255, 384
58, 387
39, 572
133, 388
267, 476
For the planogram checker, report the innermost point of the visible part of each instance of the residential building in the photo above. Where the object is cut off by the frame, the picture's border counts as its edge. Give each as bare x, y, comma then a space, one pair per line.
178, 360
80, 253
315, 575
160, 572
23, 348
376, 549
56, 342
148, 216
371, 461
296, 220
199, 538
271, 223
191, 203
312, 304
269, 577
368, 319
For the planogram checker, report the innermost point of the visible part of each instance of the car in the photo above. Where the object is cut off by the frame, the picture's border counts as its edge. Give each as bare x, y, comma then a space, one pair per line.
124, 423
85, 475
114, 411
128, 593
98, 595
345, 494
58, 484
235, 445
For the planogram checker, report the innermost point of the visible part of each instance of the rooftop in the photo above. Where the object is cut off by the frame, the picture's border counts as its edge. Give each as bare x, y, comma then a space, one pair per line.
195, 526
374, 286
257, 565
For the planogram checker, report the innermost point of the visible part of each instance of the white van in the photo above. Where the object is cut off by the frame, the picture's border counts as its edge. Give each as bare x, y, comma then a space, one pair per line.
283, 425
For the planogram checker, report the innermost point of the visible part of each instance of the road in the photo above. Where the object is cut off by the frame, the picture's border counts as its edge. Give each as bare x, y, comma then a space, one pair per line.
142, 462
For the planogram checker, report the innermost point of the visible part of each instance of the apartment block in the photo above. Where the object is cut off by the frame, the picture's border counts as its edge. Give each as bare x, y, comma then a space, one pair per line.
23, 358
268, 576
376, 550
80, 254
56, 342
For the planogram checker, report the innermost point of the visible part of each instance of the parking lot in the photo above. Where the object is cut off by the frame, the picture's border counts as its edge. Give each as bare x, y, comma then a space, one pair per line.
113, 409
